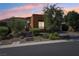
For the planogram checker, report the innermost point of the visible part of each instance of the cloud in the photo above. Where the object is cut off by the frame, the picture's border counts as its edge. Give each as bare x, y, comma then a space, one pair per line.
66, 10
28, 14
28, 9
25, 15
24, 10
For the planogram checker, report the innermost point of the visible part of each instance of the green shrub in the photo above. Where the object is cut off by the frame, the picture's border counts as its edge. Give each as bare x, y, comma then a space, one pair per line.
54, 36
3, 30
3, 23
35, 31
17, 25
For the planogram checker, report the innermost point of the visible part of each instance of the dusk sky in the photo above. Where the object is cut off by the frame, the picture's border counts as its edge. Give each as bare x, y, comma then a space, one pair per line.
27, 9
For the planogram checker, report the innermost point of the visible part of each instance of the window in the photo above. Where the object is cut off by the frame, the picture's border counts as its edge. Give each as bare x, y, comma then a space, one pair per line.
41, 25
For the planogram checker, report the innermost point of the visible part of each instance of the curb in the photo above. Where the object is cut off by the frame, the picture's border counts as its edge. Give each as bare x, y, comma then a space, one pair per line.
33, 43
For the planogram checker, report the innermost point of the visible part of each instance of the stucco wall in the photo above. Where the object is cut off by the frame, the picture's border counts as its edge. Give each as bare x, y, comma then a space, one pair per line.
35, 19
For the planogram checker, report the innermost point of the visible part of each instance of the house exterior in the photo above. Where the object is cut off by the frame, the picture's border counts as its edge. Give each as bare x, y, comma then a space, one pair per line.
36, 21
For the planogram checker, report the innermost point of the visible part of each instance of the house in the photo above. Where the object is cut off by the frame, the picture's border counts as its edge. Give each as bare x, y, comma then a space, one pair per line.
36, 21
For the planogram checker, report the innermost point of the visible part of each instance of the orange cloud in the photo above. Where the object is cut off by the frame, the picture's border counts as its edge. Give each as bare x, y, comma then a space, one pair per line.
28, 15
66, 10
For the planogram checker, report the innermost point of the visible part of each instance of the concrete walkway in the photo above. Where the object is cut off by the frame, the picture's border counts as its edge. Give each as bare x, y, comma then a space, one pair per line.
32, 43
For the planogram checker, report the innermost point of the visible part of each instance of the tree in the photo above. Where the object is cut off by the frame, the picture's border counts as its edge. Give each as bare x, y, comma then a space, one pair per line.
72, 18
53, 17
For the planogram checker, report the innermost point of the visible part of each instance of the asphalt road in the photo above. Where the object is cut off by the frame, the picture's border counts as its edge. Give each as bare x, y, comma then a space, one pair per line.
54, 49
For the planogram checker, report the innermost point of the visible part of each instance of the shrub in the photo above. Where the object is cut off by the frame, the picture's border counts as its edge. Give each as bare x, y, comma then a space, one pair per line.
54, 36
35, 31
3, 23
17, 25
3, 30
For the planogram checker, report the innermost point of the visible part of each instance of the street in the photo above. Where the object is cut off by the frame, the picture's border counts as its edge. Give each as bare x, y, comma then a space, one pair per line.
51, 49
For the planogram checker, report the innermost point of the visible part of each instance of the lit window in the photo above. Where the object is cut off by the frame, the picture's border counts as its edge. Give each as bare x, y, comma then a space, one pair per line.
41, 25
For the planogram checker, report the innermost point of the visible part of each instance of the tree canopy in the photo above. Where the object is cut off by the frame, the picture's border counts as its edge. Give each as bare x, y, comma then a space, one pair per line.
72, 18
53, 16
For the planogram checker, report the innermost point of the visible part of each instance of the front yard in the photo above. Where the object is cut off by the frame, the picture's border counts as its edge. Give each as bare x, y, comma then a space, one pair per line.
26, 37
30, 37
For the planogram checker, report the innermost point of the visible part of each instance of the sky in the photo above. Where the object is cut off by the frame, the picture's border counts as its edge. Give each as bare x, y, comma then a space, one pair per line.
27, 9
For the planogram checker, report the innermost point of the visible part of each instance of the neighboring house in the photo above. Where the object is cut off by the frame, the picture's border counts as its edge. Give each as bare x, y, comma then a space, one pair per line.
11, 18
4, 22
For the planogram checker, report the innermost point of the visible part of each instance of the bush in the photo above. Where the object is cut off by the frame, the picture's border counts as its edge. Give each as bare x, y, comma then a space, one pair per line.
35, 31
54, 36
3, 23
17, 25
3, 30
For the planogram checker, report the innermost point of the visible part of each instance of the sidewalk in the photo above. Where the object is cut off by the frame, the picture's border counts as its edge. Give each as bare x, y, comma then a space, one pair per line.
32, 43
